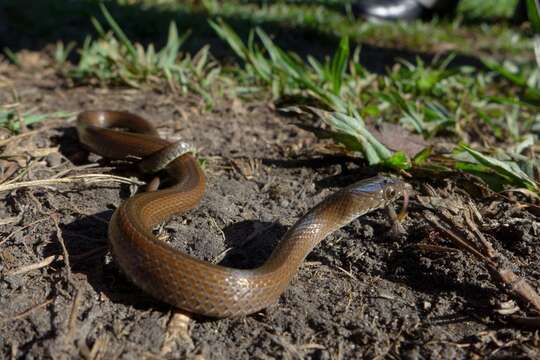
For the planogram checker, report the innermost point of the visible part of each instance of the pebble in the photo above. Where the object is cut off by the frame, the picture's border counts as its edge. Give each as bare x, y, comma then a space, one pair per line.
53, 159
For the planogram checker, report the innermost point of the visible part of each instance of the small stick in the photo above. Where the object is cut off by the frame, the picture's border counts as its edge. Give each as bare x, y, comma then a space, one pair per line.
25, 313
19, 136
21, 229
460, 242
35, 266
87, 179
520, 286
488, 247
517, 284
73, 315
63, 245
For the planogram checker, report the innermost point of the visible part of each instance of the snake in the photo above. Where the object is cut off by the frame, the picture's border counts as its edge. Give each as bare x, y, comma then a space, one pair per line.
186, 282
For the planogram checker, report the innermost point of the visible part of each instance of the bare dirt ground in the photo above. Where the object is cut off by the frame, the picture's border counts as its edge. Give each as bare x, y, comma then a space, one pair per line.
364, 292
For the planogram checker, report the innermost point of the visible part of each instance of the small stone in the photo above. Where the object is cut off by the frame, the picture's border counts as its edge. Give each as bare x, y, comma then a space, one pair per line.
53, 159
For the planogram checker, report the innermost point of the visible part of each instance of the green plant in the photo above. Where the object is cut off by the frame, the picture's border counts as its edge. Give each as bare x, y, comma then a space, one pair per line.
114, 59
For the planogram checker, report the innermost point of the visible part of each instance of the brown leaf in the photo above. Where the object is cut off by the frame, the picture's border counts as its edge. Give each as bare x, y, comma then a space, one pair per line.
397, 138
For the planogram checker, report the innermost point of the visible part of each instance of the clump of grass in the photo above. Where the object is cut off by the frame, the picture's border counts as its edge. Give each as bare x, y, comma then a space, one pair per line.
426, 119
426, 99
114, 59
525, 77
499, 170
336, 18
62, 52
286, 73
12, 56
333, 83
487, 9
351, 131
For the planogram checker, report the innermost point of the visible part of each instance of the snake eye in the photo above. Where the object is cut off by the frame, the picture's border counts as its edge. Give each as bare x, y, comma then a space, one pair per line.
390, 193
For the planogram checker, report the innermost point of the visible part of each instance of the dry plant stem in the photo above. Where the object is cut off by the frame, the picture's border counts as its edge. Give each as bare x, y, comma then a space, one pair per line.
11, 220
21, 229
25, 313
20, 175
19, 136
73, 315
488, 247
41, 264
73, 168
64, 249
87, 179
459, 241
8, 172
520, 286
517, 284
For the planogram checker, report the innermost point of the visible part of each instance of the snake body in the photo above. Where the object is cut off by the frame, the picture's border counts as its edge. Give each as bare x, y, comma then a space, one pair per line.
182, 280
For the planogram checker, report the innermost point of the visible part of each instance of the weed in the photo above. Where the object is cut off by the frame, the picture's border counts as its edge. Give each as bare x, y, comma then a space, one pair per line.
114, 59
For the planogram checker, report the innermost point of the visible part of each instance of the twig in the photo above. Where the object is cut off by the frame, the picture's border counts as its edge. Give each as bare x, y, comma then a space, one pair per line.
73, 315
20, 175
214, 223
35, 266
19, 136
21, 229
25, 313
33, 153
488, 247
63, 245
11, 220
520, 286
86, 179
73, 168
460, 242
517, 284
8, 168
348, 273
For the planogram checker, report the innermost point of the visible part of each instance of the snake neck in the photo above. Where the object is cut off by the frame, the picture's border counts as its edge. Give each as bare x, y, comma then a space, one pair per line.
329, 216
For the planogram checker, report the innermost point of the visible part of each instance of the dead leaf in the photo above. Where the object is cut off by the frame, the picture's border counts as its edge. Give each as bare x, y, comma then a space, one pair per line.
397, 138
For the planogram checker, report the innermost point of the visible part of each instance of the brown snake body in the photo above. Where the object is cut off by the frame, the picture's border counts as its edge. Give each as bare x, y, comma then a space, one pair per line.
182, 280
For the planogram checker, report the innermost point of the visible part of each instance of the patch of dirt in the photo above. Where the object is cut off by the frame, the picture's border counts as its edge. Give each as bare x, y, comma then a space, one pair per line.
363, 292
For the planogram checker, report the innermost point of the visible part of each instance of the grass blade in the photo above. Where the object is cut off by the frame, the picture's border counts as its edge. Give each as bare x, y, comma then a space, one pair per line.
508, 170
118, 31
339, 64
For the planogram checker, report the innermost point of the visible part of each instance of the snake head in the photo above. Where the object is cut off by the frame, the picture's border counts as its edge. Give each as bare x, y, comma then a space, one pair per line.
379, 191
358, 199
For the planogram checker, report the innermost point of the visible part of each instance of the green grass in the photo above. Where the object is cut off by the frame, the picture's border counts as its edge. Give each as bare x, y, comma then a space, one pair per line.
12, 120
427, 99
487, 117
490, 9
114, 59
